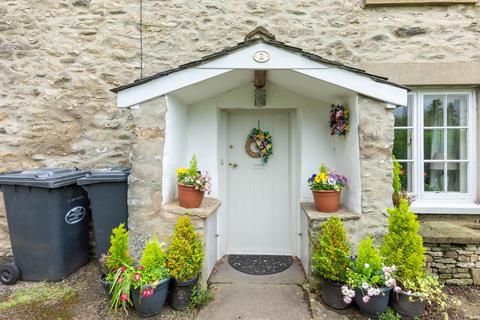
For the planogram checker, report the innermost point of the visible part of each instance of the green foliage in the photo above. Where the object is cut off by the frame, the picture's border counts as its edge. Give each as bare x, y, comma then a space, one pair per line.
368, 266
185, 255
121, 281
427, 288
389, 314
152, 264
402, 245
331, 258
193, 167
118, 254
200, 298
397, 186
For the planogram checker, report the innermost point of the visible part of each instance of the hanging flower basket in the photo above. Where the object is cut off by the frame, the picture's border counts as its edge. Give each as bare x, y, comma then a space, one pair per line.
339, 120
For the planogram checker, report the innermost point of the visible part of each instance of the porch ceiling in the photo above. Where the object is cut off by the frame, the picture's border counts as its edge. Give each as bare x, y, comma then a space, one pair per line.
289, 79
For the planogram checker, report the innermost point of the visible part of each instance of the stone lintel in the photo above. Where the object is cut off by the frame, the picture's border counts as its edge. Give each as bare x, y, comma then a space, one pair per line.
314, 215
448, 232
209, 206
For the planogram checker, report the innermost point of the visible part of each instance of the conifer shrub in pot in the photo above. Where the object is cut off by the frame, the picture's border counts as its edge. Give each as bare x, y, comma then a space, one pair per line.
192, 185
143, 285
403, 247
370, 280
331, 261
184, 260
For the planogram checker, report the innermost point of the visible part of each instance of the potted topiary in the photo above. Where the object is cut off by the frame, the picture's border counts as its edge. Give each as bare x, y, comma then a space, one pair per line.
192, 185
370, 280
150, 281
184, 260
331, 260
326, 187
396, 183
403, 247
145, 285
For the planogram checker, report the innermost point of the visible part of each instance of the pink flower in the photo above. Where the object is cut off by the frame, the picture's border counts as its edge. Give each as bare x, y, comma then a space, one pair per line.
391, 283
397, 289
123, 297
122, 269
120, 280
366, 299
347, 300
141, 267
136, 276
147, 293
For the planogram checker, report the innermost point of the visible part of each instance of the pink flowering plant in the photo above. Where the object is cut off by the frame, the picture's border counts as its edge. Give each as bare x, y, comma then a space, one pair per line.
339, 120
369, 274
327, 179
192, 177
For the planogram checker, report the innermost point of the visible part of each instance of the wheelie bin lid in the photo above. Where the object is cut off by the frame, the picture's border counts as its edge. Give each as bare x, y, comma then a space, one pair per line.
114, 174
43, 177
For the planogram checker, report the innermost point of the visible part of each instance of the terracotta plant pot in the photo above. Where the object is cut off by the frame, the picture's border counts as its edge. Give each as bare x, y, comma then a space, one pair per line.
332, 294
407, 307
326, 200
188, 197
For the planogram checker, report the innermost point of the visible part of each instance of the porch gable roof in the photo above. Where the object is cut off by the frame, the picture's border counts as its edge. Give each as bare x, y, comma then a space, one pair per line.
283, 56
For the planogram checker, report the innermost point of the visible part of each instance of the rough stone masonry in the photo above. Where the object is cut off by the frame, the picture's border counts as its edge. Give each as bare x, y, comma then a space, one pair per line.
58, 60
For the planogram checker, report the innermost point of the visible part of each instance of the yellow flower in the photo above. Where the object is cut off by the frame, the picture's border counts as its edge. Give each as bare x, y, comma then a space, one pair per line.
323, 176
181, 171
317, 179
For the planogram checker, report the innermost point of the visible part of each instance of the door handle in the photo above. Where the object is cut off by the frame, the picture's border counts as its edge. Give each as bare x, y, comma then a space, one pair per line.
233, 164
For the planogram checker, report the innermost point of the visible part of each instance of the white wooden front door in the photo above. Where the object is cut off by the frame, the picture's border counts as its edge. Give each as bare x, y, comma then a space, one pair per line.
258, 193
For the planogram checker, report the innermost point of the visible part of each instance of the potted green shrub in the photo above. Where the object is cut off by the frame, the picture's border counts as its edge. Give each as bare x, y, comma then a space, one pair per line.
331, 261
184, 260
403, 247
396, 183
192, 185
370, 280
326, 186
144, 285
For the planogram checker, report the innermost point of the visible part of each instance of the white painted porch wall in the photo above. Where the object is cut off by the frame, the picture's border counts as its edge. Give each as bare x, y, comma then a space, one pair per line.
175, 149
194, 130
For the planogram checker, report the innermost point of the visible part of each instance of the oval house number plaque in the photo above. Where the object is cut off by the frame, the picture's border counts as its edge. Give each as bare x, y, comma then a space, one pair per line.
261, 56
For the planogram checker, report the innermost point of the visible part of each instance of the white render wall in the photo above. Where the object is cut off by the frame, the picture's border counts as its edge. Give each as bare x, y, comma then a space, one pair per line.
198, 133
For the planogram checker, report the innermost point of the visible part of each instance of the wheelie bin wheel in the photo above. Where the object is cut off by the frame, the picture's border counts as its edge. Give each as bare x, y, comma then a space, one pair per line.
9, 273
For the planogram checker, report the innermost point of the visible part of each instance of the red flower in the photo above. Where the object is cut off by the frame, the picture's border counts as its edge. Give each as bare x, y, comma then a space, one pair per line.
136, 276
141, 267
147, 293
120, 280
123, 297
123, 269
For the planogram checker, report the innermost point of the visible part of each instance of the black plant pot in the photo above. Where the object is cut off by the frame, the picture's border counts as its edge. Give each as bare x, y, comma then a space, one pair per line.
377, 304
181, 292
153, 305
332, 294
104, 283
406, 307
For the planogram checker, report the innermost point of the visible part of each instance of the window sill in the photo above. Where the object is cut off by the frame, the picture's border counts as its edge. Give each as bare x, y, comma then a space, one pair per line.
439, 207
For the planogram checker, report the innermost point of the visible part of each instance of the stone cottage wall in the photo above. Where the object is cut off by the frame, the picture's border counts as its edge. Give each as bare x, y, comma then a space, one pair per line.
456, 264
58, 60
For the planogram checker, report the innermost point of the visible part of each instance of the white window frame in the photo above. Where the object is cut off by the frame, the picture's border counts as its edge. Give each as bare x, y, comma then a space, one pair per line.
418, 181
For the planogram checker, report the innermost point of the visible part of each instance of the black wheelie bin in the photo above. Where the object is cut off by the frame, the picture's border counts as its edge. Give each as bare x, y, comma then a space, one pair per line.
47, 221
107, 191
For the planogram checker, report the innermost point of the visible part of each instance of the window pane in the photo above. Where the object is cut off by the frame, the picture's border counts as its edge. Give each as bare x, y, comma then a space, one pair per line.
457, 114
433, 144
457, 176
402, 144
433, 111
406, 175
403, 115
433, 176
457, 144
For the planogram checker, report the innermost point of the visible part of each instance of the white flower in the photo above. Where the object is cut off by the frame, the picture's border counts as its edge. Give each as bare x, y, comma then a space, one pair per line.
397, 289
394, 267
371, 292
367, 265
391, 283
351, 294
347, 300
366, 299
365, 286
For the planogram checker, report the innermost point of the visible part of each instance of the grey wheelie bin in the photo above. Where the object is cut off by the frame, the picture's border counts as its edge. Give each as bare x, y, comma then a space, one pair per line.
47, 222
107, 191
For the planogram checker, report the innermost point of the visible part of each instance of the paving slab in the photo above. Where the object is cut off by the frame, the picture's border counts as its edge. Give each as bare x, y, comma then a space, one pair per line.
225, 273
239, 295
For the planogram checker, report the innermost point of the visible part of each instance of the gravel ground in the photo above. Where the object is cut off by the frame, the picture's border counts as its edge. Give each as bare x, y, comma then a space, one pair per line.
84, 299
